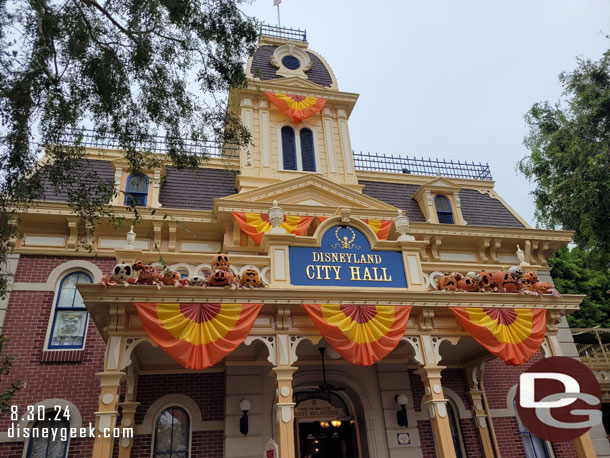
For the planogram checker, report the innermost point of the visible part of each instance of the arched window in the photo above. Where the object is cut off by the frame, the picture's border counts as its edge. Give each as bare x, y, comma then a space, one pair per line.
533, 445
456, 431
50, 446
70, 316
307, 152
289, 149
172, 433
136, 191
443, 210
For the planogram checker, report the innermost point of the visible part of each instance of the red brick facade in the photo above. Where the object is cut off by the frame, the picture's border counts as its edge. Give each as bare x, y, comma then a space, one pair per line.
71, 376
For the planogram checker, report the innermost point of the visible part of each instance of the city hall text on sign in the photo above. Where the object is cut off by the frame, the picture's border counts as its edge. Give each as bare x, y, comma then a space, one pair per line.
345, 258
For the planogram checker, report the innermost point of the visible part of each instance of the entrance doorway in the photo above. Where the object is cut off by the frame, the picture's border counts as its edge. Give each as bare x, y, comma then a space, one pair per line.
324, 427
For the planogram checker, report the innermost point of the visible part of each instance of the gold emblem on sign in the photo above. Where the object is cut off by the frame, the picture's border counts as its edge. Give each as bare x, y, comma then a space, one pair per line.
345, 242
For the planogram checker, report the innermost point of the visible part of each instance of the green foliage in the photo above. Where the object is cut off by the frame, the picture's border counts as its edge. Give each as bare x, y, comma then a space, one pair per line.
573, 273
130, 69
570, 158
6, 362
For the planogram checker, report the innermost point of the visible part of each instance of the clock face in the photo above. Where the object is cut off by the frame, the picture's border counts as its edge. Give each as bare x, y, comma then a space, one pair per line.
291, 62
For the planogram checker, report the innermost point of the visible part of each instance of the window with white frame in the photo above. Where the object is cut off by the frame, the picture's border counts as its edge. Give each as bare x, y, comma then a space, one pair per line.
291, 149
45, 437
172, 433
70, 317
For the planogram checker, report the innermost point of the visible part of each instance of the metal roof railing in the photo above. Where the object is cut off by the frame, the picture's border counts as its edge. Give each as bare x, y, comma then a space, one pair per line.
283, 33
403, 164
158, 144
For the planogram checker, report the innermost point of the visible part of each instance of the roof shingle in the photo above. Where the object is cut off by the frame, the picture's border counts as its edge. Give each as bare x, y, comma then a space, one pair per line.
261, 67
195, 189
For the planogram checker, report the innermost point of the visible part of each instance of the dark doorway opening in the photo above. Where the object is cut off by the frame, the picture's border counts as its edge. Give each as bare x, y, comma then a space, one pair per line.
316, 440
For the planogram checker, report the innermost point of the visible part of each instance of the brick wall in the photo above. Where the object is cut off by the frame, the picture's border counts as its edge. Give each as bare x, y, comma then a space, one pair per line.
26, 325
36, 269
500, 377
207, 390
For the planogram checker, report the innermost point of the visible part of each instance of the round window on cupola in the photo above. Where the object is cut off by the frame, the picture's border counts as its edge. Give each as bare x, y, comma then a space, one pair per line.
291, 62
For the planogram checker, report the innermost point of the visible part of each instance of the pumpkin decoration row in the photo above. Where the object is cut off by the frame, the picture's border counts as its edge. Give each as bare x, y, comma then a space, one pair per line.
139, 273
511, 281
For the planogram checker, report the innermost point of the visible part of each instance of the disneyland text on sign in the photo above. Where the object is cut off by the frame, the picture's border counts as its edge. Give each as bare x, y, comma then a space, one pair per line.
345, 258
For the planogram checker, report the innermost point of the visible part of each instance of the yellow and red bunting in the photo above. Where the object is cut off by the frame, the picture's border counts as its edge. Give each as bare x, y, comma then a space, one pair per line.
197, 335
256, 224
361, 334
297, 107
514, 335
381, 227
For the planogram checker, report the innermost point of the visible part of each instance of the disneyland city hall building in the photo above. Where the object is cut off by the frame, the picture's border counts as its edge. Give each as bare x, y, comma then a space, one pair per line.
289, 299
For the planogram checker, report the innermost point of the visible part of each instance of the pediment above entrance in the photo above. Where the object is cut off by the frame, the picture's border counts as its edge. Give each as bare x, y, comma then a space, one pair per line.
309, 190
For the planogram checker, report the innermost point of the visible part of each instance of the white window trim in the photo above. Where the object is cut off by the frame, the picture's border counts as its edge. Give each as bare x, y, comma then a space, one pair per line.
75, 421
58, 281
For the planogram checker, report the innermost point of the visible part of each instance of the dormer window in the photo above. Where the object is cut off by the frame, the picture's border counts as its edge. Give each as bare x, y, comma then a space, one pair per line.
443, 209
136, 191
304, 146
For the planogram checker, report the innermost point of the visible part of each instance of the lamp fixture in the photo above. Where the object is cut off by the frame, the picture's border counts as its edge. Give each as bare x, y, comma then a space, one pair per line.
401, 415
335, 423
245, 405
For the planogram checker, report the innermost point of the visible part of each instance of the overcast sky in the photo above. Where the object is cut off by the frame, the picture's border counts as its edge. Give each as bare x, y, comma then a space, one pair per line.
449, 79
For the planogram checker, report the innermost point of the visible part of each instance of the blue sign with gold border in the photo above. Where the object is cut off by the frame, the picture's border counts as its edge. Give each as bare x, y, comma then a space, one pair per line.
345, 258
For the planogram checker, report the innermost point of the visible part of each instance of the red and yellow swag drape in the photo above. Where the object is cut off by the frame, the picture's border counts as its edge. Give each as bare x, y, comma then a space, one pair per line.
514, 335
381, 227
256, 224
297, 107
361, 334
197, 335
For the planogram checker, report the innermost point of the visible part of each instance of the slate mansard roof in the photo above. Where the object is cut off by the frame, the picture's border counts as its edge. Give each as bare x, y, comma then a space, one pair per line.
477, 209
195, 189
103, 170
261, 67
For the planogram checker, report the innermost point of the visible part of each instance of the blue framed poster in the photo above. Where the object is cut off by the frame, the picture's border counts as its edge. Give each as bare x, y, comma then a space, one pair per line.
345, 258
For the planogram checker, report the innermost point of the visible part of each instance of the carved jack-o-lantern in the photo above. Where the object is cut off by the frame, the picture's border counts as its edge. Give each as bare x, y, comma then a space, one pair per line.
526, 283
221, 278
486, 283
250, 277
543, 287
122, 273
220, 261
447, 282
467, 284
533, 277
505, 282
148, 275
170, 278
